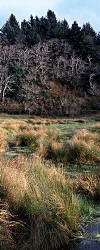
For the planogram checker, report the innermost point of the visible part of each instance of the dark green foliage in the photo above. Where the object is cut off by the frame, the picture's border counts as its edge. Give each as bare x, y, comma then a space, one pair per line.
84, 40
27, 140
88, 30
15, 69
16, 72
29, 29
63, 29
44, 28
75, 33
11, 29
88, 40
52, 24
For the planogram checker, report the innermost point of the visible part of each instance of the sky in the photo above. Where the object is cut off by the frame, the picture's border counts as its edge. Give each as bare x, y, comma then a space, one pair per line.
81, 11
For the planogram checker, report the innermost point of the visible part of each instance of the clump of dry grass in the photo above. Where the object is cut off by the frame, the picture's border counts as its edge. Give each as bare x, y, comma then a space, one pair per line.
46, 199
52, 150
8, 225
52, 134
16, 125
89, 185
84, 146
51, 146
6, 239
27, 139
95, 128
80, 151
3, 140
84, 135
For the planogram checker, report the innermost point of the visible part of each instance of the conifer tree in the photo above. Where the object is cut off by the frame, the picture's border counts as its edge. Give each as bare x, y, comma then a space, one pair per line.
11, 29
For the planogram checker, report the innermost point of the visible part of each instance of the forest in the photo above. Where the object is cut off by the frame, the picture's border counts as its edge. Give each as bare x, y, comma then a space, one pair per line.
84, 39
45, 64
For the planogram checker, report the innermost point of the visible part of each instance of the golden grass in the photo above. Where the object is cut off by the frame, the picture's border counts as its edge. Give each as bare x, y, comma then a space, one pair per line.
84, 146
39, 192
46, 198
88, 184
6, 239
16, 125
8, 225
3, 140
96, 128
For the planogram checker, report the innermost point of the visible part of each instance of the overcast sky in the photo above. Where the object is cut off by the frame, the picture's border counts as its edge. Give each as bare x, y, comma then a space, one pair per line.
80, 10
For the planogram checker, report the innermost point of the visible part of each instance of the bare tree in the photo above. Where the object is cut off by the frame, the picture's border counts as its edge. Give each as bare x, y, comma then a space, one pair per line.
6, 83
94, 89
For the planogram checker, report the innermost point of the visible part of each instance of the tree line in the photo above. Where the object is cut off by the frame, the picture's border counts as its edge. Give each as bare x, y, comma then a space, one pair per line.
84, 40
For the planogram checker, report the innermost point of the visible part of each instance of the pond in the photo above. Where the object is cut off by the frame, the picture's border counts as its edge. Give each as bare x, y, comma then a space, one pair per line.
90, 239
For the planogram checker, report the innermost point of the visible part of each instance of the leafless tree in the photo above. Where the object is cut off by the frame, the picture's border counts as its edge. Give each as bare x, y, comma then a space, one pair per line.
6, 82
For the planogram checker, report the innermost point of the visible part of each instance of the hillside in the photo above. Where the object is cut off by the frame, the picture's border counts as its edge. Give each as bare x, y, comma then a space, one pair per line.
55, 75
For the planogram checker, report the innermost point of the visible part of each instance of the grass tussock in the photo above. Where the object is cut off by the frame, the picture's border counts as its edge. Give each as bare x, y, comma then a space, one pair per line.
96, 128
88, 185
84, 146
52, 150
80, 151
6, 239
51, 146
27, 139
8, 226
43, 195
3, 140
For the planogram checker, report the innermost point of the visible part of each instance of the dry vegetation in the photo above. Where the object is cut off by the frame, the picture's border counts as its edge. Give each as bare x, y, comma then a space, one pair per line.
36, 189
3, 140
89, 185
46, 198
85, 146
8, 226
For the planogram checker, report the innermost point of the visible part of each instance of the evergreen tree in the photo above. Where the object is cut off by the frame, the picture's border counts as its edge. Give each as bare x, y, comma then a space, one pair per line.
44, 28
88, 30
11, 29
89, 39
29, 29
52, 24
75, 34
63, 29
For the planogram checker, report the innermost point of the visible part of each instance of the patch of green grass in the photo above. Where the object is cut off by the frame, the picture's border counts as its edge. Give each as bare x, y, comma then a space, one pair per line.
11, 134
86, 208
68, 128
81, 167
